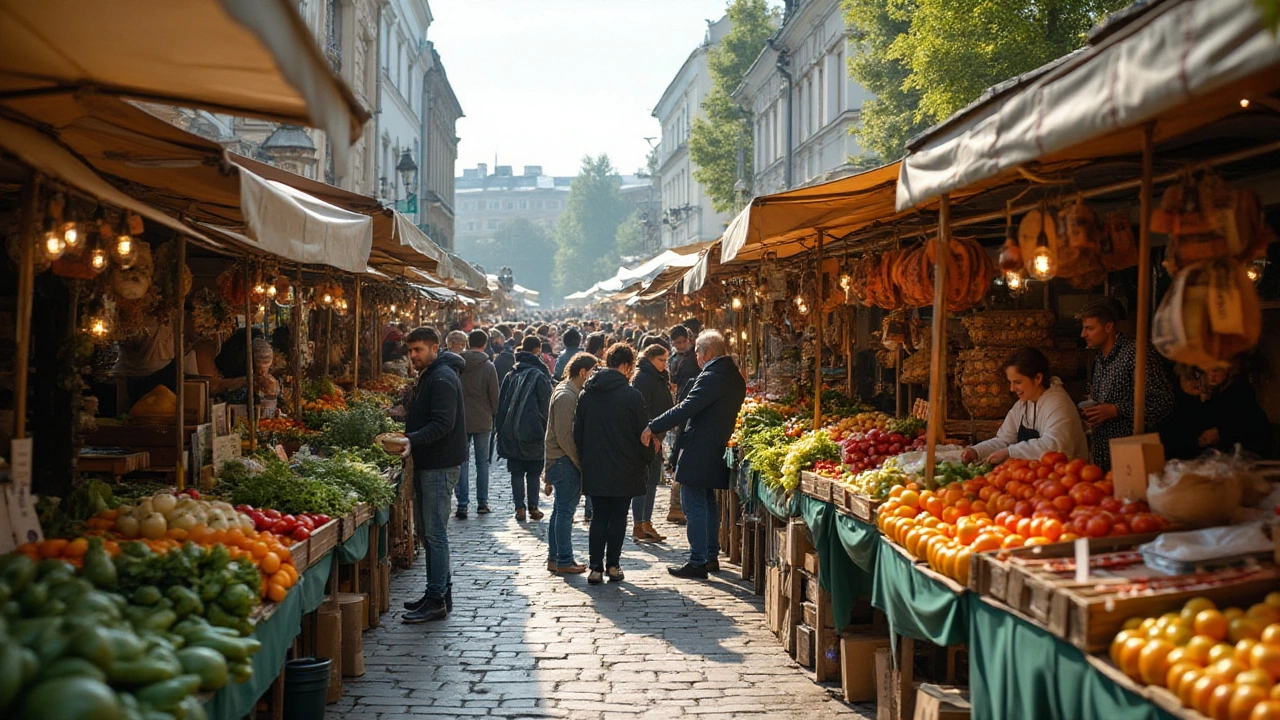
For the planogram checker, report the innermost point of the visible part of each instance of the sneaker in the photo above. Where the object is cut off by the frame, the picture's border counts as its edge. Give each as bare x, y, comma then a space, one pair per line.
689, 570
653, 533
426, 613
571, 569
520, 514
712, 566
596, 577
483, 510
615, 574
675, 517
422, 601
535, 514
461, 514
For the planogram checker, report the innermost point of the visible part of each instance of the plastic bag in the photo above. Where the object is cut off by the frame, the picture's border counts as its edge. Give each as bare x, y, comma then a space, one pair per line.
1203, 492
1211, 543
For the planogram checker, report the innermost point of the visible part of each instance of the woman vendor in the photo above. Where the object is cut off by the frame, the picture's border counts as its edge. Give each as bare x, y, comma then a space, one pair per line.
234, 389
1043, 420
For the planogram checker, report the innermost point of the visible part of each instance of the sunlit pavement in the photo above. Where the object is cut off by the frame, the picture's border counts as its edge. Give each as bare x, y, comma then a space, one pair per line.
522, 642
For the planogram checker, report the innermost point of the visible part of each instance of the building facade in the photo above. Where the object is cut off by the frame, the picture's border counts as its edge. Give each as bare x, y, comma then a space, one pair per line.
403, 60
686, 214
486, 203
440, 114
803, 102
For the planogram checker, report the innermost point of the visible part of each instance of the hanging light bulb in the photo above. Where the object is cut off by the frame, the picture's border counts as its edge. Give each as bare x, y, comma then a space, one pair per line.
125, 251
53, 243
1014, 280
271, 290
736, 302
259, 289
326, 299
846, 281
1044, 264
744, 335
393, 309
71, 236
98, 259
1255, 269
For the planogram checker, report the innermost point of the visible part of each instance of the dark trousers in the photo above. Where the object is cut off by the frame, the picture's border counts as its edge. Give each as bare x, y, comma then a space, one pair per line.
608, 530
525, 475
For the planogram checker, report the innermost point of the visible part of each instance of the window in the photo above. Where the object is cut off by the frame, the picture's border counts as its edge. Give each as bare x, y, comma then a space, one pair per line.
495, 204
493, 225
511, 205
841, 80
524, 204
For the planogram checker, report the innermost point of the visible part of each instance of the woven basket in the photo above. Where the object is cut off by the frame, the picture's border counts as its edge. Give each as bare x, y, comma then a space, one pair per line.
984, 389
1010, 328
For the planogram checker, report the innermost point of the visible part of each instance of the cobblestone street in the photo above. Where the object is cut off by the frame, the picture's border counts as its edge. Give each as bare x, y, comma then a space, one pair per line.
522, 642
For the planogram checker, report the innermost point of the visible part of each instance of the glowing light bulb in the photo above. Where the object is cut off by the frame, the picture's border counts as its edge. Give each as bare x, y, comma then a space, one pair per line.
393, 308
1013, 279
125, 251
1244, 102
70, 235
54, 245
98, 260
736, 303
259, 289
744, 334
846, 282
1043, 264
1255, 269
98, 327
327, 299
271, 291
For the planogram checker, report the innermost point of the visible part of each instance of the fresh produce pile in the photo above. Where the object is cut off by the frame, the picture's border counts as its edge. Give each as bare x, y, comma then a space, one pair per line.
73, 646
869, 450
329, 486
828, 469
1034, 503
322, 394
285, 430
295, 527
1223, 663
858, 424
387, 385
169, 515
877, 483
803, 453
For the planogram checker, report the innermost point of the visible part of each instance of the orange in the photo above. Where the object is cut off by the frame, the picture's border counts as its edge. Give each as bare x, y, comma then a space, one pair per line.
1173, 678
1153, 661
962, 566
1220, 702
1130, 653
270, 563
258, 550
1266, 658
276, 593
1199, 693
1266, 710
1119, 641
1271, 634
1268, 614
1255, 677
1213, 623
1272, 599
1133, 623
1275, 692
1181, 654
909, 498
1241, 653
1221, 651
1233, 612
1244, 627
282, 579
1198, 648
1194, 607
1243, 700
1052, 529
1177, 633
1225, 670
1183, 681
233, 537
53, 548
986, 542
176, 534
76, 548
1014, 541
967, 532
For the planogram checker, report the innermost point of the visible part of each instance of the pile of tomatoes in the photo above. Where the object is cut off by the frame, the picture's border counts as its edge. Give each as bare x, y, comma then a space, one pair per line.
295, 527
1019, 503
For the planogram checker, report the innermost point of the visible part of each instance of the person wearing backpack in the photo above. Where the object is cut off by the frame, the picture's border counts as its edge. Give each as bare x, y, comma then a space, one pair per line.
522, 425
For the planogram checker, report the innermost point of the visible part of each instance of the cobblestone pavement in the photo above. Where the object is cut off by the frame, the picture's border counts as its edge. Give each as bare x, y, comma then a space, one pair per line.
523, 643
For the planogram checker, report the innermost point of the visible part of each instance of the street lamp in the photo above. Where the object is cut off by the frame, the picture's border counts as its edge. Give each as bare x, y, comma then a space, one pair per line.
408, 171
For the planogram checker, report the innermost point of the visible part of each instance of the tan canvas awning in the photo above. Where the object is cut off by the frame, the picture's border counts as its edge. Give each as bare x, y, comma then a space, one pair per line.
242, 57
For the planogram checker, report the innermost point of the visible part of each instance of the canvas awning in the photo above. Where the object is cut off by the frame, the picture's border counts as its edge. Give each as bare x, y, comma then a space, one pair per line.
242, 57
465, 275
678, 258
1181, 63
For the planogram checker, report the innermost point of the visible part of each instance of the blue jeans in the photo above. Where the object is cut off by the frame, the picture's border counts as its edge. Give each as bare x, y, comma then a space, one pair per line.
566, 480
480, 444
432, 489
642, 507
525, 475
703, 517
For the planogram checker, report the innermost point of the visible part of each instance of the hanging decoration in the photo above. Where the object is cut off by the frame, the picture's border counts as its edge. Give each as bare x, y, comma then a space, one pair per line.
212, 316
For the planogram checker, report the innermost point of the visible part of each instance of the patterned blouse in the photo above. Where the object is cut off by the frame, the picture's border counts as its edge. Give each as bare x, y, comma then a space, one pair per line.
1113, 383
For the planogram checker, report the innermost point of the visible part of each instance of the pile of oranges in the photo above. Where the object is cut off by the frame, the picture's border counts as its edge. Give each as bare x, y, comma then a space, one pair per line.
1225, 664
1020, 503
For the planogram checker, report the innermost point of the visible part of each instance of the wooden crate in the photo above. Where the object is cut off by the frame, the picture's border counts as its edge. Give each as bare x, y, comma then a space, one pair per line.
798, 542
858, 679
934, 702
301, 552
1088, 615
324, 539
855, 504
989, 572
806, 643
363, 513
811, 562
815, 486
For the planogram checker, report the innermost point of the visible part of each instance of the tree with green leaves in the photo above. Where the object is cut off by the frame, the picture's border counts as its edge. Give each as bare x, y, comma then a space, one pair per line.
586, 234
926, 59
524, 246
718, 142
630, 239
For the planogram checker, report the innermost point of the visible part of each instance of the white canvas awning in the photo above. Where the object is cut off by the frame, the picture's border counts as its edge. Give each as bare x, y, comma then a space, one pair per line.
243, 57
1164, 63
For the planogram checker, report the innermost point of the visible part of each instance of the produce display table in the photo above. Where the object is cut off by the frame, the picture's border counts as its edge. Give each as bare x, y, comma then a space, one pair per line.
276, 632
839, 573
353, 549
918, 606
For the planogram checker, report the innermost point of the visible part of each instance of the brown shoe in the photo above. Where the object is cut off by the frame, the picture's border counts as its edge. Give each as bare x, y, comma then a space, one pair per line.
551, 566
520, 514
535, 514
638, 533
652, 532
675, 517
575, 569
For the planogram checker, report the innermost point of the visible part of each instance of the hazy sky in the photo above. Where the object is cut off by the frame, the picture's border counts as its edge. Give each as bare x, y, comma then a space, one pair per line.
544, 82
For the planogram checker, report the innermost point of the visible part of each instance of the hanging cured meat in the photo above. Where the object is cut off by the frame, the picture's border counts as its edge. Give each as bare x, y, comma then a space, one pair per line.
1210, 314
1119, 249
1206, 219
970, 273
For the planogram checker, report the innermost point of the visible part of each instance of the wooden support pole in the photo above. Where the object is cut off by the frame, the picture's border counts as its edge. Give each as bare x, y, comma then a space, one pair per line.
355, 350
249, 370
850, 333
328, 339
1143, 341
938, 352
179, 353
817, 344
375, 346
26, 296
296, 320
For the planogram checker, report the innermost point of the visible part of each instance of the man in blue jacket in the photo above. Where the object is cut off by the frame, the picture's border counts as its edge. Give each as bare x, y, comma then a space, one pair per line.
707, 413
521, 425
436, 428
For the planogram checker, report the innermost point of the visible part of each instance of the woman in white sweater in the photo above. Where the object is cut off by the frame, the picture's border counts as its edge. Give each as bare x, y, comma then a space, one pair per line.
1043, 420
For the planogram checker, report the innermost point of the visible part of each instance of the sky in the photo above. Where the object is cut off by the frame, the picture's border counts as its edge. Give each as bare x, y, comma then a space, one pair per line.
545, 82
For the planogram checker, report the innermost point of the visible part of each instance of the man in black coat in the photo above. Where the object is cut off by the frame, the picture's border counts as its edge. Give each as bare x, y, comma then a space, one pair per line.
707, 413
523, 404
435, 424
683, 368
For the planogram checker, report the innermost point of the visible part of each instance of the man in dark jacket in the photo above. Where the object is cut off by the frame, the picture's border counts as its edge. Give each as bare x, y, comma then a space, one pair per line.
436, 428
522, 424
609, 417
683, 368
708, 413
654, 384
480, 396
572, 339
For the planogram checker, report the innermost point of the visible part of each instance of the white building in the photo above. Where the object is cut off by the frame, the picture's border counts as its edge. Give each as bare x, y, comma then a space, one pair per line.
404, 57
803, 77
686, 215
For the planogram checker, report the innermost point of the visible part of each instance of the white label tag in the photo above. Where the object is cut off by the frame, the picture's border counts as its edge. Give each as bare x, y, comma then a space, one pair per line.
1226, 313
1082, 560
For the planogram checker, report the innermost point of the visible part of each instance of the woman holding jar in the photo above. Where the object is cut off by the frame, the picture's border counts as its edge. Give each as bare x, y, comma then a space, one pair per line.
1043, 420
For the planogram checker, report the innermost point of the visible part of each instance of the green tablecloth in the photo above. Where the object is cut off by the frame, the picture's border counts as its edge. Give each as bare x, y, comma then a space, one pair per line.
776, 500
916, 605
1018, 670
838, 574
276, 634
353, 549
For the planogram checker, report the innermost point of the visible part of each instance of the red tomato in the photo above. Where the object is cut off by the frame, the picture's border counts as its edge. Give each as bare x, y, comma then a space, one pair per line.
1064, 503
1144, 523
1097, 526
1086, 494
1024, 508
273, 514
1111, 504
1091, 473
1052, 490
1053, 458
300, 534
1121, 528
